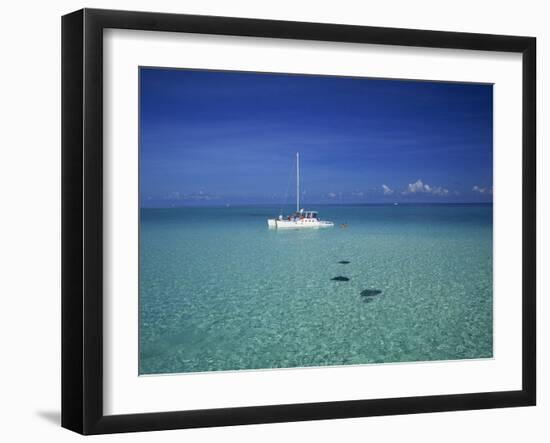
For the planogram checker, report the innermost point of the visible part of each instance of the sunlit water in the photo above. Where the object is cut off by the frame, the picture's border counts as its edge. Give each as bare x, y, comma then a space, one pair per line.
220, 291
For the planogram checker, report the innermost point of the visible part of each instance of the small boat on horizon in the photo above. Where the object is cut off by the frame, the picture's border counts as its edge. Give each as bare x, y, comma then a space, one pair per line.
301, 218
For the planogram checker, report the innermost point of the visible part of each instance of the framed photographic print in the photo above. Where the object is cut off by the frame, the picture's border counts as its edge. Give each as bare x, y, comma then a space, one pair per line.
269, 221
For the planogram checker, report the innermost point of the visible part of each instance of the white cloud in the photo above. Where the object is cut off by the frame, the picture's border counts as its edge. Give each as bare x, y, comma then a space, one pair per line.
332, 195
437, 190
387, 190
415, 187
419, 187
481, 190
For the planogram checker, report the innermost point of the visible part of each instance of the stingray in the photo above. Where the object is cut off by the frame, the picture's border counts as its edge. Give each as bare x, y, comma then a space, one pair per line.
344, 262
340, 278
370, 292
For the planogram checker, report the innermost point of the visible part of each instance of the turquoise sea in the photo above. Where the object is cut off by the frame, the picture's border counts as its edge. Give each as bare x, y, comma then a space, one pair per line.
220, 291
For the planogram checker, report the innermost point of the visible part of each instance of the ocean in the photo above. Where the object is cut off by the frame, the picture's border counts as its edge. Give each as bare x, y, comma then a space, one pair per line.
219, 291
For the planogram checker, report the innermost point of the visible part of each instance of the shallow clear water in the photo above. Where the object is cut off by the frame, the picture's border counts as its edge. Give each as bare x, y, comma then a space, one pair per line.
220, 291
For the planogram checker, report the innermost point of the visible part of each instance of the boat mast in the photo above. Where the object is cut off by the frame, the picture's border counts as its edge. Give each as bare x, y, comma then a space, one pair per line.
297, 182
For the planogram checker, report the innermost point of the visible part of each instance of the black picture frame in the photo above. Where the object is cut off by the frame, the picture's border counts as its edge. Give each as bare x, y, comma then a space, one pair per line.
82, 220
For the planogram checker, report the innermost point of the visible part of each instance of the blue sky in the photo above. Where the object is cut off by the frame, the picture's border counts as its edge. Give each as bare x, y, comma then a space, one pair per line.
212, 138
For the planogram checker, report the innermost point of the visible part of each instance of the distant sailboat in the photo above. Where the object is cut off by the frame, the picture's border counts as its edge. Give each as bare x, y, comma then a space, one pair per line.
301, 218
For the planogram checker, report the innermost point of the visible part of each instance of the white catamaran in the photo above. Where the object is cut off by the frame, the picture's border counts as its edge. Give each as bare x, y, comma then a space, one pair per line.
301, 218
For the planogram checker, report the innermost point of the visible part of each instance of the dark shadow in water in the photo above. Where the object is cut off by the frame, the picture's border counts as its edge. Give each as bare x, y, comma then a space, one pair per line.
54, 417
340, 278
370, 292
344, 262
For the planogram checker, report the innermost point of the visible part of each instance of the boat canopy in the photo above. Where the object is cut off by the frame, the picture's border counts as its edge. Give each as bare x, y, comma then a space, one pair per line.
305, 214
310, 214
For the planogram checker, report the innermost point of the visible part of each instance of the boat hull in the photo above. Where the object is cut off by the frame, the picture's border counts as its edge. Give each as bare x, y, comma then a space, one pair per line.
299, 224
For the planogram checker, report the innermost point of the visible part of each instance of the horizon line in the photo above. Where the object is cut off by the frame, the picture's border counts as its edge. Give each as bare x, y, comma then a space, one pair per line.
238, 205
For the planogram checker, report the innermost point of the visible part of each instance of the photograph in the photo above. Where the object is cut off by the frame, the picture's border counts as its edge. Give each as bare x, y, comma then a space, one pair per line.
295, 221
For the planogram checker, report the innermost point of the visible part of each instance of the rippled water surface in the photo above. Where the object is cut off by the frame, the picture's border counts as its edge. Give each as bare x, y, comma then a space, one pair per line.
220, 291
